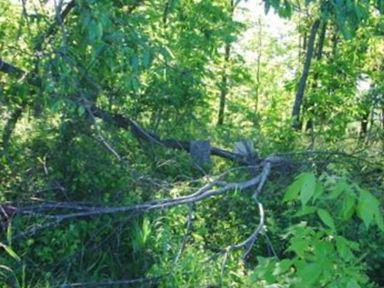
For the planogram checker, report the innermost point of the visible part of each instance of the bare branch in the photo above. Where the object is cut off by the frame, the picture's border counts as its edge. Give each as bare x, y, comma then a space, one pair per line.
162, 204
53, 28
133, 283
185, 238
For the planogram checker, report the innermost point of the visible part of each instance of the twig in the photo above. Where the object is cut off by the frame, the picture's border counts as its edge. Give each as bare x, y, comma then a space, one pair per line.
135, 282
185, 238
263, 178
248, 243
269, 243
100, 136
53, 28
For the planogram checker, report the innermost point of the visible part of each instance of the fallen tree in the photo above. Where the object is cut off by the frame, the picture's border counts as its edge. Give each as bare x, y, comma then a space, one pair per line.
123, 121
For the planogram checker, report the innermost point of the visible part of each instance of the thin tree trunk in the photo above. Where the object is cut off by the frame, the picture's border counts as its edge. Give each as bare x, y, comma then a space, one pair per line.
258, 66
304, 76
364, 125
318, 56
382, 117
11, 124
224, 85
335, 41
320, 45
224, 79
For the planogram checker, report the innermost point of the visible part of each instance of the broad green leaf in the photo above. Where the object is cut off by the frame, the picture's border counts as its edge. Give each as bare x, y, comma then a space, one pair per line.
379, 219
282, 266
367, 207
343, 248
326, 218
308, 188
293, 189
264, 270
348, 206
306, 210
303, 187
319, 190
340, 187
352, 283
309, 274
298, 245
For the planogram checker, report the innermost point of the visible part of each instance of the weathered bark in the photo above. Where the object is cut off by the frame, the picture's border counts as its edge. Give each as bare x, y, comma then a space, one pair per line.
304, 76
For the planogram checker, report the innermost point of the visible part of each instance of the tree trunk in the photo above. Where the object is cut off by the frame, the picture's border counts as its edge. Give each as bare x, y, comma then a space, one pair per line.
224, 85
224, 79
11, 125
320, 44
318, 56
258, 65
304, 76
364, 125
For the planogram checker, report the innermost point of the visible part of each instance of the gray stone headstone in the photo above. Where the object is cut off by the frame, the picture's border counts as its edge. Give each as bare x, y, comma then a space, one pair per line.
245, 148
201, 152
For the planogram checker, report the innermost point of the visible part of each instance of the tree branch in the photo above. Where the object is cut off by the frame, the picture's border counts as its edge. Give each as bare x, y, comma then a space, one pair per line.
52, 29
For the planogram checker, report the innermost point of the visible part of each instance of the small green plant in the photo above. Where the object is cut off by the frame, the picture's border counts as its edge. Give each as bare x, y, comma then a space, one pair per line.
319, 252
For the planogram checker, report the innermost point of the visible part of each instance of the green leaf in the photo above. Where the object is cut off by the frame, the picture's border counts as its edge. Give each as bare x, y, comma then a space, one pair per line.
379, 219
5, 268
352, 283
343, 248
348, 206
293, 189
340, 187
326, 218
368, 208
305, 211
298, 245
10, 251
318, 191
309, 274
134, 62
283, 266
308, 188
264, 270
305, 184
81, 110
146, 59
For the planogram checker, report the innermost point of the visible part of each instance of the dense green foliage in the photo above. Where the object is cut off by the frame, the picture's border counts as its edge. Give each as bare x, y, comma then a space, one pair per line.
70, 71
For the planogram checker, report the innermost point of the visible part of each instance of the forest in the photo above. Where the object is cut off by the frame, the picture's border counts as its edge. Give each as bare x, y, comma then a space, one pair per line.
192, 143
